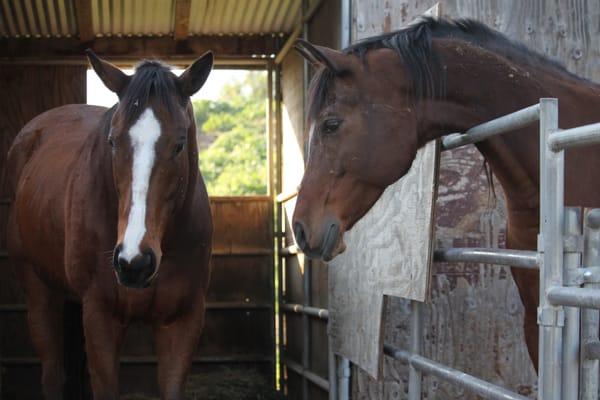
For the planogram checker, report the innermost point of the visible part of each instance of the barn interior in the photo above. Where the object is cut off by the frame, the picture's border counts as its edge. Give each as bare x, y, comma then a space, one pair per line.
43, 65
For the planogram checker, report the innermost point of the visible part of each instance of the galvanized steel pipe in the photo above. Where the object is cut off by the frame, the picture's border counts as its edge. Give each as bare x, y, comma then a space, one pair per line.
344, 379
331, 371
503, 124
590, 318
321, 313
416, 338
574, 297
514, 258
308, 375
453, 376
574, 137
571, 263
550, 316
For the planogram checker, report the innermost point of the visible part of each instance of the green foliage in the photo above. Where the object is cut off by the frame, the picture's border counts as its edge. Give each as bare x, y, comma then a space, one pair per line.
233, 147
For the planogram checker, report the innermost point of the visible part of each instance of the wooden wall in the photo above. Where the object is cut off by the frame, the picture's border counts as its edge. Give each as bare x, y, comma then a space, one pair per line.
26, 91
474, 320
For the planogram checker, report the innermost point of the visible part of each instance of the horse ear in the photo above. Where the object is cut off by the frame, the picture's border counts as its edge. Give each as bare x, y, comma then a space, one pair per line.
320, 55
192, 79
114, 79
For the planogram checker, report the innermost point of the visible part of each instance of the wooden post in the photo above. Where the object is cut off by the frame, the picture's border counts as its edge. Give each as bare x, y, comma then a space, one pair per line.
83, 10
182, 19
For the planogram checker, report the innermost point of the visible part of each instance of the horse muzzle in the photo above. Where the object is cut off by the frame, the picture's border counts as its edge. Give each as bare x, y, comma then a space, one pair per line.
138, 272
330, 245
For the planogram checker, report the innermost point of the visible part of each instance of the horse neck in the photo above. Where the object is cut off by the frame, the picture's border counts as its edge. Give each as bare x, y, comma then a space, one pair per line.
182, 216
482, 85
99, 160
193, 168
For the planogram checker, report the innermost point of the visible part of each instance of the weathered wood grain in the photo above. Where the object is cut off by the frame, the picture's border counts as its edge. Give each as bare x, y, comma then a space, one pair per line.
388, 253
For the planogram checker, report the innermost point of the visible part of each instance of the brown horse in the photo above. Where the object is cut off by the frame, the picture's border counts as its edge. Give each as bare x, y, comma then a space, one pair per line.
109, 209
374, 104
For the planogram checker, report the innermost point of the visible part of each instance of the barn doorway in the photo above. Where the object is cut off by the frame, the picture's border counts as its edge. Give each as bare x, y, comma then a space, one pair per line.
231, 120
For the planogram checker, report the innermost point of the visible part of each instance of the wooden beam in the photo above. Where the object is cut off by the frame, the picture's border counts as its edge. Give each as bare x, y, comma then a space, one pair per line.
182, 19
297, 31
83, 9
135, 47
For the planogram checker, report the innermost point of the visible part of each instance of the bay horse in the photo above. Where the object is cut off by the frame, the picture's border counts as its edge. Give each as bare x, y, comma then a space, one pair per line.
110, 210
372, 105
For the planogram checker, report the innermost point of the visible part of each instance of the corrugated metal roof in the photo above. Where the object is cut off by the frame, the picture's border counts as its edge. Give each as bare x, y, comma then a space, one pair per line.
222, 17
132, 17
37, 18
57, 18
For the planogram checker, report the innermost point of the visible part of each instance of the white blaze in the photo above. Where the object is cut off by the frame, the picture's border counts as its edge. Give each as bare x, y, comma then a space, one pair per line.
143, 135
311, 133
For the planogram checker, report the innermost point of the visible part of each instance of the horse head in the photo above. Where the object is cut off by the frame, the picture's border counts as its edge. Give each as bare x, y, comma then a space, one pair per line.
154, 154
362, 132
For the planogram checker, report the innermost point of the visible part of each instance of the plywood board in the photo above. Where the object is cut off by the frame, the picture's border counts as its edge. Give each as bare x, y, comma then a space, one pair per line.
389, 252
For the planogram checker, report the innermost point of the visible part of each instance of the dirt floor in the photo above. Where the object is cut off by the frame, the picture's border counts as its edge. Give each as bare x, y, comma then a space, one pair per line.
224, 384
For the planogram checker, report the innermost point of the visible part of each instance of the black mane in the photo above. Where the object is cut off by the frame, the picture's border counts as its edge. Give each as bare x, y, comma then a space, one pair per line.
423, 64
152, 80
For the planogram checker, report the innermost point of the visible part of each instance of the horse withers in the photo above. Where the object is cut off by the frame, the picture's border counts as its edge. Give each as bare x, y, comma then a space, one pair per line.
375, 103
110, 210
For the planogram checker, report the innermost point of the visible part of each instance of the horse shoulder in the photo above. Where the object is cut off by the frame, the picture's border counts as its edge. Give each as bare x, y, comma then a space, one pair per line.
31, 137
200, 217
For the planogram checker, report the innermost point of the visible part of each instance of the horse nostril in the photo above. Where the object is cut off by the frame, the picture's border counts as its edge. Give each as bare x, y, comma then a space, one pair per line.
145, 261
116, 253
300, 235
148, 259
330, 240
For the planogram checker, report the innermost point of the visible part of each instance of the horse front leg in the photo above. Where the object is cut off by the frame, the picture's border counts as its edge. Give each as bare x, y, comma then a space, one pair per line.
103, 338
45, 319
175, 345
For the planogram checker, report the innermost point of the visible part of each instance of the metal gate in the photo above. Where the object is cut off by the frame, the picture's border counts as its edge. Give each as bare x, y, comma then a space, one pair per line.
568, 258
563, 329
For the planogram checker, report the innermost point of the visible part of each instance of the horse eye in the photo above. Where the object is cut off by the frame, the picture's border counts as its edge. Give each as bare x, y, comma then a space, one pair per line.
331, 125
179, 147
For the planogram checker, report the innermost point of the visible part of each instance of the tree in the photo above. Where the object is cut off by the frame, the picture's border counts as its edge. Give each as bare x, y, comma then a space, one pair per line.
232, 138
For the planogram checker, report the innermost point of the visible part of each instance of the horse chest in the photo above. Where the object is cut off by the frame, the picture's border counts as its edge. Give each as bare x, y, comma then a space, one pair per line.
135, 303
163, 301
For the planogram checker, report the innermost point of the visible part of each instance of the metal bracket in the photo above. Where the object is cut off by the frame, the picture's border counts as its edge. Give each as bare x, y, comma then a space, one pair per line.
571, 243
579, 276
551, 316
